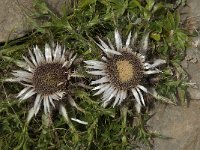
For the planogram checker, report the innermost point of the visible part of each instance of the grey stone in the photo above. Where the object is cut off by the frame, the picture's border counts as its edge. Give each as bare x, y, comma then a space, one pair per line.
190, 15
180, 124
193, 8
191, 21
13, 16
193, 70
192, 65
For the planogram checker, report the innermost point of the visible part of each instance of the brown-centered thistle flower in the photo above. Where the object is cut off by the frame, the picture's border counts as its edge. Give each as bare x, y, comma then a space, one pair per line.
123, 70
45, 77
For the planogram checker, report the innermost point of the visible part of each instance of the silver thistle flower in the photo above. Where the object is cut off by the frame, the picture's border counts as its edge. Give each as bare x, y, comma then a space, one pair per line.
46, 77
122, 70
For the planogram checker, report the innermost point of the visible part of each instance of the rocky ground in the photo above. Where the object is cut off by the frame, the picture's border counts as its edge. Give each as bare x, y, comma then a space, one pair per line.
179, 123
14, 15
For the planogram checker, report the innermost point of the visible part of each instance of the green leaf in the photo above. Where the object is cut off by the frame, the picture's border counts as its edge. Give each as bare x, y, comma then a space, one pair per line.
135, 3
61, 23
94, 21
84, 96
170, 18
181, 94
176, 19
119, 6
167, 25
85, 3
147, 14
46, 24
108, 16
41, 6
156, 27
157, 7
150, 4
155, 36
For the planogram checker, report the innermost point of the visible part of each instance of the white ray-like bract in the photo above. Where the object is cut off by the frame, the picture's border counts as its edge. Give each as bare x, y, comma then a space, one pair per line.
115, 80
41, 77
